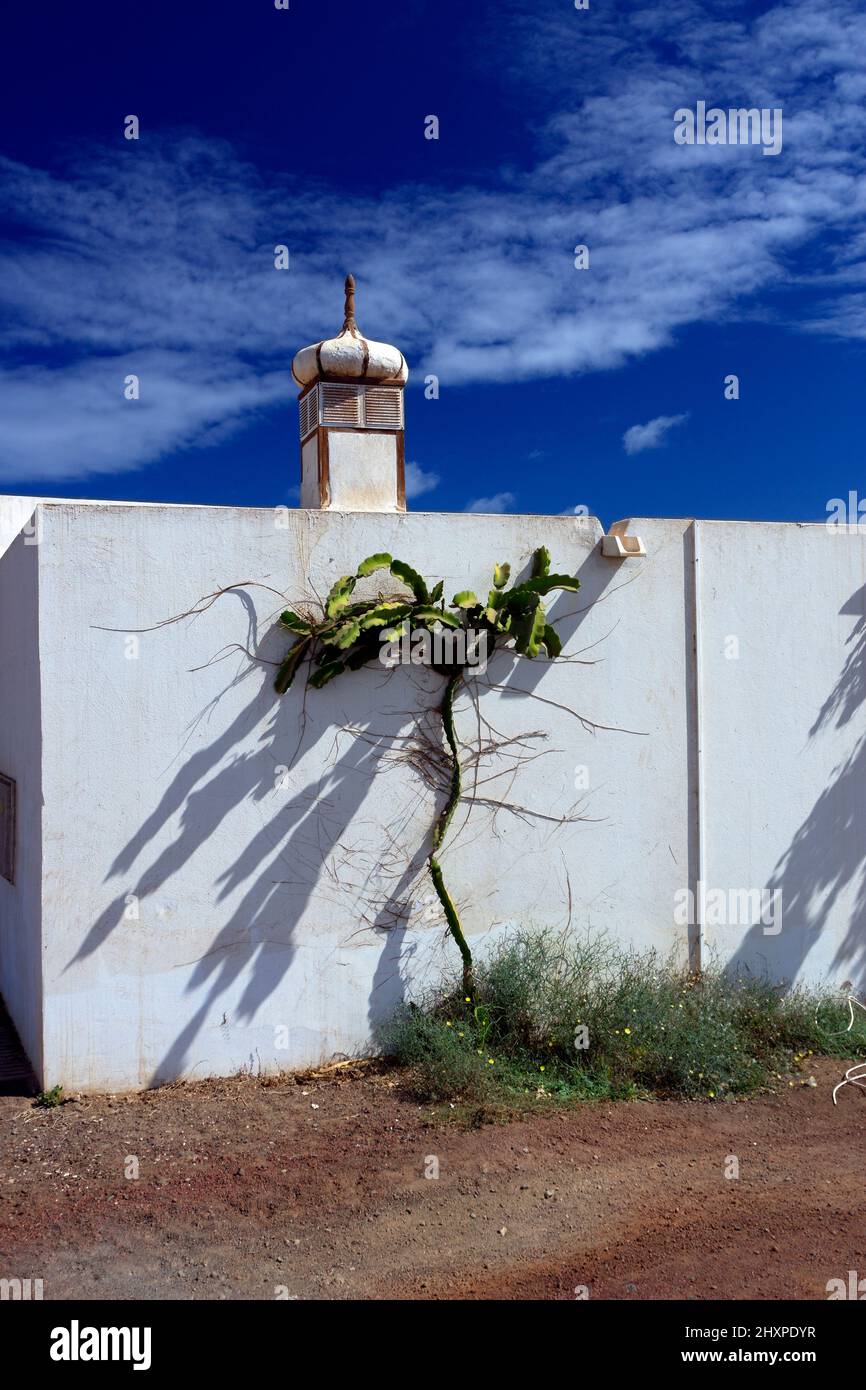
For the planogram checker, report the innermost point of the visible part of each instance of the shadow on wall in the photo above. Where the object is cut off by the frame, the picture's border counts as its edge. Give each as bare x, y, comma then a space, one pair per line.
827, 856
291, 859
283, 864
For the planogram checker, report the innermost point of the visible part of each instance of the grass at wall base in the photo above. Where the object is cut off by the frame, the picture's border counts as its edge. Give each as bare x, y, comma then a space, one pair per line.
574, 1019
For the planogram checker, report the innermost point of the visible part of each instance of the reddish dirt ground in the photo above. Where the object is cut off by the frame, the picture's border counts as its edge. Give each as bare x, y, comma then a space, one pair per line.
317, 1187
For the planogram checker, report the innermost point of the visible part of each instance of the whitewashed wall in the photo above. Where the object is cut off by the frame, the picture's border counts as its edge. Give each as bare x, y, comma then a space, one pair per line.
784, 734
203, 909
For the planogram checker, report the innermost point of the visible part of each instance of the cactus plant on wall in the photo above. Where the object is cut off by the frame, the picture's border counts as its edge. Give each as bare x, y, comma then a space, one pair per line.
350, 633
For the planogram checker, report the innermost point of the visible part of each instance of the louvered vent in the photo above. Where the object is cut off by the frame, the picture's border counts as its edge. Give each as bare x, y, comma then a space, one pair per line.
309, 412
341, 405
383, 408
351, 407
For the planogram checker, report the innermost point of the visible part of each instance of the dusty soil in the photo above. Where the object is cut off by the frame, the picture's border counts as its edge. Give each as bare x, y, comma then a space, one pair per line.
318, 1187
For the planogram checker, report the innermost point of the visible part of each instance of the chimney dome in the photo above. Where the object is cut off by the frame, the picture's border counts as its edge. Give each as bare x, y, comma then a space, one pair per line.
350, 356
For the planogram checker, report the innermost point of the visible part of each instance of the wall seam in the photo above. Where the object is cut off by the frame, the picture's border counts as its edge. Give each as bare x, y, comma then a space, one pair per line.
697, 953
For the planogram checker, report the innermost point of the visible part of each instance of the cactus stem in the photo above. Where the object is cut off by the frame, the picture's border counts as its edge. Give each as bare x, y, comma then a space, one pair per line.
452, 917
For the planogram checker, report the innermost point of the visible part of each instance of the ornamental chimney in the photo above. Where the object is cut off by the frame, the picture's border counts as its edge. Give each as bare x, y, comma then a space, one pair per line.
351, 408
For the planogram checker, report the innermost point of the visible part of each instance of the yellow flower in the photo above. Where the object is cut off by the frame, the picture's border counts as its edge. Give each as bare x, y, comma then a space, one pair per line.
491, 1062
627, 1030
448, 1024
711, 1093
541, 1068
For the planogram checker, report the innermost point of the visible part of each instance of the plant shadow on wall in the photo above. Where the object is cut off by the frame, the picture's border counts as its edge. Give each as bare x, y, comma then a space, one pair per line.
318, 844
826, 859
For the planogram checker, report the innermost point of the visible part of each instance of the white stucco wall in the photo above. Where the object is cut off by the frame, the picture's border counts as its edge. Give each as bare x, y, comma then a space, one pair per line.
17, 514
225, 871
783, 687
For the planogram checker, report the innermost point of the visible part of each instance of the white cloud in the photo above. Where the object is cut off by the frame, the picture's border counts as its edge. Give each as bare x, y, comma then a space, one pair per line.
419, 481
163, 264
76, 420
499, 502
651, 435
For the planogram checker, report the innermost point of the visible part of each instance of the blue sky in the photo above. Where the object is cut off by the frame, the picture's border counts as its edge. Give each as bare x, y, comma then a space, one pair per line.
559, 388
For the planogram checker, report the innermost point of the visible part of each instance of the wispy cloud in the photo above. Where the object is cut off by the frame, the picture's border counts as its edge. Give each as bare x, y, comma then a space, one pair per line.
420, 481
76, 421
651, 435
157, 258
499, 502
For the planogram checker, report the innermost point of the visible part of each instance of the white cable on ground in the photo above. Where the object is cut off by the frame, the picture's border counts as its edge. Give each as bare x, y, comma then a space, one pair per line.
860, 1067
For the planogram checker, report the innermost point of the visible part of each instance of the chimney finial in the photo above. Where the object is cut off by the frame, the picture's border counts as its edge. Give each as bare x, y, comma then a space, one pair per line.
349, 324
